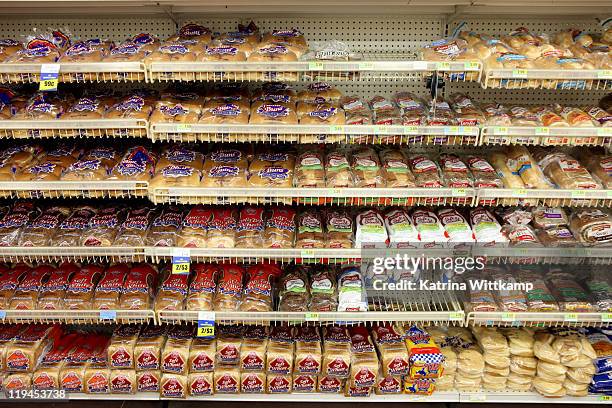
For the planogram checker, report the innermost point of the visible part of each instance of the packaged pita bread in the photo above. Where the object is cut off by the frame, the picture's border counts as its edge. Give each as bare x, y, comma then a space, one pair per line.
148, 347
121, 347
200, 384
279, 384
227, 380
175, 354
148, 381
202, 356
173, 386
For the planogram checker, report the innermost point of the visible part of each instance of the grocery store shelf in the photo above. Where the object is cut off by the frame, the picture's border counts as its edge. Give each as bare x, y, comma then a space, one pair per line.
76, 72
547, 136
77, 316
539, 319
118, 254
552, 197
23, 129
528, 397
395, 134
586, 79
316, 196
84, 189
139, 396
370, 66
310, 397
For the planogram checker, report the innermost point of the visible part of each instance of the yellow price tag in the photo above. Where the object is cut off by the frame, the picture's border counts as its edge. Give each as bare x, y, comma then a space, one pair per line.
500, 130
459, 192
183, 127
519, 192
456, 316
206, 331
472, 65
180, 268
48, 85
604, 131
443, 66
605, 397
578, 193
311, 317
570, 317
411, 130
336, 129
508, 317
366, 66
604, 74
315, 66
542, 131
606, 317
519, 73
307, 253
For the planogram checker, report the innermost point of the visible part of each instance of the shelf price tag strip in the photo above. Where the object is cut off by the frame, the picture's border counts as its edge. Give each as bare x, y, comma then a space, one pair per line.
108, 315
181, 259
206, 325
49, 77
2, 314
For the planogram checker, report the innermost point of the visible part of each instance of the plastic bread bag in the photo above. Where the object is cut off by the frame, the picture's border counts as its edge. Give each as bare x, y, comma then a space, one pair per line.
310, 230
340, 228
366, 168
356, 110
310, 169
510, 300
539, 299
556, 237
131, 107
575, 117
229, 288
44, 47
319, 92
14, 222
178, 172
521, 163
53, 292
430, 230
485, 226
521, 236
250, 228
351, 290
548, 218
136, 164
168, 112
194, 231
514, 215
484, 175
425, 171
165, 228
598, 115
444, 49
412, 109
40, 106
197, 34
570, 295
564, 171
133, 230
225, 168
70, 230
272, 170
25, 296
466, 112
455, 172
41, 230
320, 114
139, 288
400, 228
338, 172
257, 293
480, 300
172, 291
280, 228
395, 169
600, 167
92, 50
456, 226
127, 51
103, 227
8, 47
222, 228
370, 230
323, 290
599, 286
294, 289
332, 50
202, 287
384, 111
80, 290
85, 108
272, 113
109, 288
591, 226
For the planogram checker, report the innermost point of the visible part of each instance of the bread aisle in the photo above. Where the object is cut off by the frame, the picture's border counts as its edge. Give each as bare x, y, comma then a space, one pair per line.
220, 213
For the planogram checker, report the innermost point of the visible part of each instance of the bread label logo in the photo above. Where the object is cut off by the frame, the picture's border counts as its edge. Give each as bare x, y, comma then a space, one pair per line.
172, 388
273, 111
173, 111
252, 383
330, 384
15, 383
224, 171
83, 165
273, 49
278, 385
44, 168
121, 383
176, 171
97, 383
18, 361
364, 377
174, 362
234, 38
79, 48
389, 385
147, 360
340, 223
72, 382
202, 362
419, 386
135, 103
286, 33
226, 156
276, 98
35, 52
337, 366
229, 109
200, 386
127, 48
309, 365
359, 391
304, 383
148, 382
143, 38
7, 42
169, 219
229, 353
43, 381
274, 173
121, 358
279, 365
323, 114
223, 50
227, 383
398, 366
193, 30
174, 49
252, 361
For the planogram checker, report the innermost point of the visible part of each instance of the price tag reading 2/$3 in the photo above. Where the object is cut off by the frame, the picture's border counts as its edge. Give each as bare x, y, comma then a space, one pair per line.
206, 325
181, 258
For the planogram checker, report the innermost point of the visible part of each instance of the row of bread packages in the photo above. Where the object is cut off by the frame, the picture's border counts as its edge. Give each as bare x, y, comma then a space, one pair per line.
521, 48
192, 42
277, 103
77, 287
175, 363
555, 288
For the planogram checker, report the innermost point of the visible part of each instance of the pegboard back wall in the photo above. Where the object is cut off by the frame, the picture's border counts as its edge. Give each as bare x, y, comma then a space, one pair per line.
499, 25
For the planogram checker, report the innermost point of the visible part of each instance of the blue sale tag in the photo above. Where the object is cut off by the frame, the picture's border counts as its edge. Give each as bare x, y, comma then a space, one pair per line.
206, 325
108, 315
2, 314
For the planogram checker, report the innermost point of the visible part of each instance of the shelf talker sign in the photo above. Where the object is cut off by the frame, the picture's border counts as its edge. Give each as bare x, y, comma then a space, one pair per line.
49, 77
181, 259
206, 325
